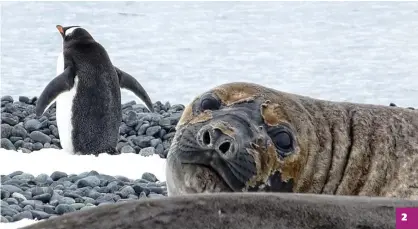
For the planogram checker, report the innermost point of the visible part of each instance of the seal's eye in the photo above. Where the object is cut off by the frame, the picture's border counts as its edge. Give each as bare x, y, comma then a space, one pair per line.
283, 139
210, 103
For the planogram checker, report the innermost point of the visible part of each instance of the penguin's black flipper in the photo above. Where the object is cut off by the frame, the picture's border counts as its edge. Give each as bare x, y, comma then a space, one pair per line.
128, 82
59, 84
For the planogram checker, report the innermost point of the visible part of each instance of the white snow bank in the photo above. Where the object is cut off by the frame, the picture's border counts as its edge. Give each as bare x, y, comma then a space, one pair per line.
18, 224
50, 160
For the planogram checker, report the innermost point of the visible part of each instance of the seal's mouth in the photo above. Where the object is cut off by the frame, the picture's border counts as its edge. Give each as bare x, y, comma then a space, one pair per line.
212, 182
219, 151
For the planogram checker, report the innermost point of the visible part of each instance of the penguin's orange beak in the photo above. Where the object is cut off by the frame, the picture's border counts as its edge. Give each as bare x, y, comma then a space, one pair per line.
60, 29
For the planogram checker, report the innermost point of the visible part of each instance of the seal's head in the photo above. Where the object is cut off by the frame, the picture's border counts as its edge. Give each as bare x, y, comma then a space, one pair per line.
237, 137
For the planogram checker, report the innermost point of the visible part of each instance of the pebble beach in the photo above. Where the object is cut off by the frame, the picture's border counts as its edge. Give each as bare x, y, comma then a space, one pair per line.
25, 196
141, 132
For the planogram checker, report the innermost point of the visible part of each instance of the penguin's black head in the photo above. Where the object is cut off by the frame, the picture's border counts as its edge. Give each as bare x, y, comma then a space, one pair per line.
74, 33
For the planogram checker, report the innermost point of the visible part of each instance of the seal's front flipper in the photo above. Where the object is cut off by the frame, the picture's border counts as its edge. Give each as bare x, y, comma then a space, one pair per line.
61, 83
128, 82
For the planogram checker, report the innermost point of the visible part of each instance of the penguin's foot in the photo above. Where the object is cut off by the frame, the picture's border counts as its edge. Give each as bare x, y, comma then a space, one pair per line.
110, 151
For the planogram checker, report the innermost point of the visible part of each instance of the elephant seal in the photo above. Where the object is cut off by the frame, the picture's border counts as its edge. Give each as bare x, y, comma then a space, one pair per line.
243, 137
238, 211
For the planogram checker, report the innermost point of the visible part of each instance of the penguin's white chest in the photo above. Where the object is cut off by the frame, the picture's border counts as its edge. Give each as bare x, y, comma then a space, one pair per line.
64, 113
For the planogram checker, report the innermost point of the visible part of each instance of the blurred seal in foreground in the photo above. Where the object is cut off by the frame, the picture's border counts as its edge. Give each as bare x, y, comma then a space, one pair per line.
238, 211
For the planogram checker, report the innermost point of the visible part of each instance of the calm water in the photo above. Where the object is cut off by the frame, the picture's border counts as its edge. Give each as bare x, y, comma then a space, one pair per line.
344, 51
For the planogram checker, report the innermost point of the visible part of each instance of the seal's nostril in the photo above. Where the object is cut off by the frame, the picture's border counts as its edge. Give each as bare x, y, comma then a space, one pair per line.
206, 138
224, 147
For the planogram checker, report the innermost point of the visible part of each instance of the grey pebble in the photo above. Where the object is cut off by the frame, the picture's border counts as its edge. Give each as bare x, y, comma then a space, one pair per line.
159, 149
148, 151
91, 181
27, 145
131, 119
155, 142
32, 124
9, 119
113, 186
88, 200
123, 178
153, 130
39, 214
127, 149
58, 175
3, 219
102, 189
66, 200
56, 141
24, 150
7, 98
7, 144
142, 141
143, 128
15, 139
19, 197
72, 194
19, 131
32, 203
24, 99
54, 147
169, 135
49, 209
7, 211
46, 131
9, 218
4, 178
41, 190
149, 177
23, 215
11, 201
18, 144
105, 198
16, 207
11, 188
64, 208
94, 194
43, 179
165, 123
43, 197
77, 206
54, 131
59, 187
28, 208
37, 146
24, 176
138, 188
6, 130
40, 137
14, 182
126, 191
87, 207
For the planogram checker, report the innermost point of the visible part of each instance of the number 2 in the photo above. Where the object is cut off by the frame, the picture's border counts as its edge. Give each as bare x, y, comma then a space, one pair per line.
404, 217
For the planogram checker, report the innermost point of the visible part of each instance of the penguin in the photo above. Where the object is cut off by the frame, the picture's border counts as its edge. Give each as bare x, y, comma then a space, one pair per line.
87, 91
